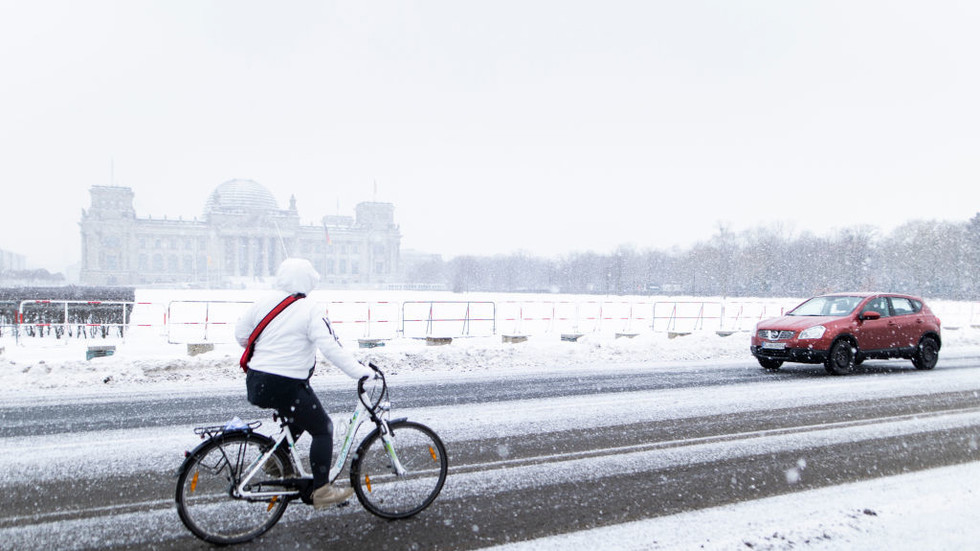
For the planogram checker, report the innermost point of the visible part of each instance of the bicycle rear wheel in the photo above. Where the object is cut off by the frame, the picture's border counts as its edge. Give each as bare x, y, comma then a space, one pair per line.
206, 483
387, 495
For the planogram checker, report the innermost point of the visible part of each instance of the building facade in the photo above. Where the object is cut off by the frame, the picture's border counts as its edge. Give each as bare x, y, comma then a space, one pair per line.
242, 238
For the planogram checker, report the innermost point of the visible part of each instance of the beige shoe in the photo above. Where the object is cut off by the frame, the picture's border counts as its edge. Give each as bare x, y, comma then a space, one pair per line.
328, 494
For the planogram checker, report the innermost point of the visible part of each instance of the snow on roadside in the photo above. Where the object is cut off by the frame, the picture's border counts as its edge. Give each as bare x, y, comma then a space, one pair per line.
142, 364
139, 363
927, 510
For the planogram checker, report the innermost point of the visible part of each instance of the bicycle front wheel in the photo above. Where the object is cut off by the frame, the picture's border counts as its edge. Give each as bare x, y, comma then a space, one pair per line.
384, 492
206, 500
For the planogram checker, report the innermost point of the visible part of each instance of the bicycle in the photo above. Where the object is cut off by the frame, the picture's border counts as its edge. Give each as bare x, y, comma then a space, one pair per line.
236, 485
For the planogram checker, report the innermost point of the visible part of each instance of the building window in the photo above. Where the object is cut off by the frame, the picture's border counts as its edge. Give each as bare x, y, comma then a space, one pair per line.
342, 268
243, 256
272, 259
144, 262
355, 268
229, 262
158, 262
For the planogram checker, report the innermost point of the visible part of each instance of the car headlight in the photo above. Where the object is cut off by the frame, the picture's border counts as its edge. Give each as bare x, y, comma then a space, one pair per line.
814, 332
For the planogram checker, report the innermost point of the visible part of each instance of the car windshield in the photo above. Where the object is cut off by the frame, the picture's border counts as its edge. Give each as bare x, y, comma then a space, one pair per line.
826, 306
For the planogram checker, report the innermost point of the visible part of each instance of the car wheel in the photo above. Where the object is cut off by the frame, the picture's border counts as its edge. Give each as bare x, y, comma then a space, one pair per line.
840, 361
927, 354
770, 364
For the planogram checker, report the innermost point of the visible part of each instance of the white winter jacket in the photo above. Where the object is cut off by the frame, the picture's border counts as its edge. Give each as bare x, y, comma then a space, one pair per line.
289, 343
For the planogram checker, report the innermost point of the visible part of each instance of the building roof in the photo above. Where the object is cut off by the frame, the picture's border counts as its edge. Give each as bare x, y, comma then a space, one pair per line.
240, 195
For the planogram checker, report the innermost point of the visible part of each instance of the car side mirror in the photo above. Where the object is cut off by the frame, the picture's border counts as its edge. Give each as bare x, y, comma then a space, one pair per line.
870, 315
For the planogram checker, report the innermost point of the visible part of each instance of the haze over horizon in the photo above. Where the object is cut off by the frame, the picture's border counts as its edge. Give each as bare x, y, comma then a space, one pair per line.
546, 127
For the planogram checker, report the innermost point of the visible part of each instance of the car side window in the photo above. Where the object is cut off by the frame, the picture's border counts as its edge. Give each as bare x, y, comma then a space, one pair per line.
902, 306
879, 304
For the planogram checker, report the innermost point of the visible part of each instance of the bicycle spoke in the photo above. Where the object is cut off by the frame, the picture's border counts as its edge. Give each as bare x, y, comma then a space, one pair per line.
205, 500
422, 457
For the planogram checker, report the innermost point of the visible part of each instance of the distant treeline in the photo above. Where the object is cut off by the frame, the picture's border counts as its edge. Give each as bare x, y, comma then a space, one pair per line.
929, 258
83, 319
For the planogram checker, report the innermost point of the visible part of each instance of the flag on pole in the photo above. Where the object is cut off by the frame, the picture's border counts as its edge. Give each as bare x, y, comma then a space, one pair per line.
326, 234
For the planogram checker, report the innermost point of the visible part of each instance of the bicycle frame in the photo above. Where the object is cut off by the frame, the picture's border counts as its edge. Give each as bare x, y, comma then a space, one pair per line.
360, 415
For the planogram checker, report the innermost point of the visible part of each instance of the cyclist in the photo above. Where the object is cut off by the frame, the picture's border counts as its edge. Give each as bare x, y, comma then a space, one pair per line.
283, 361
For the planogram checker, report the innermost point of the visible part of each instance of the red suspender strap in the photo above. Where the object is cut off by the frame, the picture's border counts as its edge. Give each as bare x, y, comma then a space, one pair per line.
250, 347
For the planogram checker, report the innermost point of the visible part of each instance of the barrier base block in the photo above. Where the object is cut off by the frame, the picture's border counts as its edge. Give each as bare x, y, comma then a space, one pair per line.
514, 339
99, 351
199, 348
370, 343
626, 335
438, 341
675, 334
725, 333
571, 337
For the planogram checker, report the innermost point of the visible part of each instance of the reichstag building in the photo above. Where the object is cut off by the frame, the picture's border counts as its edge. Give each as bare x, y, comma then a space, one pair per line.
243, 237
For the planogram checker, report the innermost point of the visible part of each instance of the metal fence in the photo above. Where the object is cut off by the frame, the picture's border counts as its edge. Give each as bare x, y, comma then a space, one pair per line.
212, 321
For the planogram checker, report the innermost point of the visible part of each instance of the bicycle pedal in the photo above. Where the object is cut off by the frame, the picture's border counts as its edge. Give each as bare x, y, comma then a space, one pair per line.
344, 503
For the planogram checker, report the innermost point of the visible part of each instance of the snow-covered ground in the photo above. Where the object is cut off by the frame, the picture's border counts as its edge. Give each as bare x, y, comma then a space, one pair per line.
935, 509
929, 510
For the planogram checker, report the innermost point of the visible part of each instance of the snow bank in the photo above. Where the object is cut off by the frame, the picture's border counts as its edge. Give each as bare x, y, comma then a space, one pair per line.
137, 364
926, 510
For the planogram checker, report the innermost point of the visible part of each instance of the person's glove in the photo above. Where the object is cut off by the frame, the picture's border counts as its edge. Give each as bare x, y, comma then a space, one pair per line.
375, 376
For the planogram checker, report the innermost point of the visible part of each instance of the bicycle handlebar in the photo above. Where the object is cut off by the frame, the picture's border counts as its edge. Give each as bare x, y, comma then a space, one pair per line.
372, 407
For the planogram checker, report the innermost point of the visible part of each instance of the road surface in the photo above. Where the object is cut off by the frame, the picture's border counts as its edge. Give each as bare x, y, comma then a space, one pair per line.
530, 455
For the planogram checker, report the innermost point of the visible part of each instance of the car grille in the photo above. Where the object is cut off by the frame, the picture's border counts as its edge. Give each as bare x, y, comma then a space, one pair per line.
774, 335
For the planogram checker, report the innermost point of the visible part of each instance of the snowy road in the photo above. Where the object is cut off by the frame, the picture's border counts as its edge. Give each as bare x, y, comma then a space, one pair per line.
532, 455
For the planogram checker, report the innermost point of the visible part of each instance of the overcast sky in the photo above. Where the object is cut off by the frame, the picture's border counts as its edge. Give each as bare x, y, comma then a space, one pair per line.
498, 126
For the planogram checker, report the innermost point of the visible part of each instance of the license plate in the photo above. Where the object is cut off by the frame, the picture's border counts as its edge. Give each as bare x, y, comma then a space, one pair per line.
774, 345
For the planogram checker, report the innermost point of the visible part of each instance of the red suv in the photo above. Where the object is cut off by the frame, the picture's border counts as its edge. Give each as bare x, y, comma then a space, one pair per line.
842, 330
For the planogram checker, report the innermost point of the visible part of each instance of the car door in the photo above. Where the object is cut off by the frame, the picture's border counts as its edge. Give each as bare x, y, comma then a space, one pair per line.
907, 321
875, 334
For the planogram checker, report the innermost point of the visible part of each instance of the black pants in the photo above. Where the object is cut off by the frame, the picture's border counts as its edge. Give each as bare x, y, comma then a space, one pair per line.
296, 402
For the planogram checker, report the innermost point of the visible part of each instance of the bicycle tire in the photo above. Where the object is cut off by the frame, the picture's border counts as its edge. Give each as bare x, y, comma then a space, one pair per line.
386, 495
204, 489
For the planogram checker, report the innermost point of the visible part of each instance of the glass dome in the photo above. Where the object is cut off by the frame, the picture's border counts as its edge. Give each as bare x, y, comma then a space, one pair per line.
240, 195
